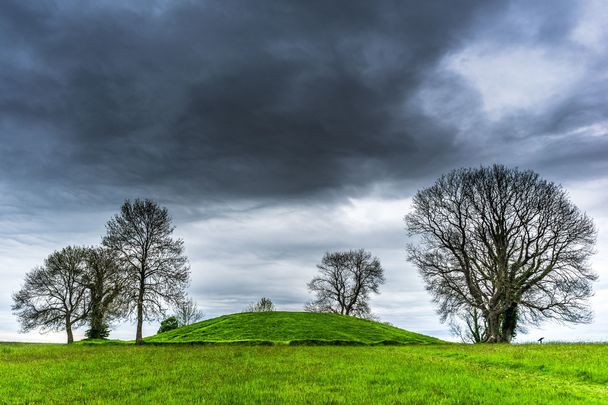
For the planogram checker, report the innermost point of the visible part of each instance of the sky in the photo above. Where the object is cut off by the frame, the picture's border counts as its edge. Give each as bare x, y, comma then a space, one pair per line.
275, 131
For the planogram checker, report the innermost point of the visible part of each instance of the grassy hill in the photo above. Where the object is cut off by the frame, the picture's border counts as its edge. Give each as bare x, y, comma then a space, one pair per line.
290, 328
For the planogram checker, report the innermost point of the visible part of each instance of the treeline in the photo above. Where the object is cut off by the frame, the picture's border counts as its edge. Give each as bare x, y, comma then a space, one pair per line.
137, 271
496, 247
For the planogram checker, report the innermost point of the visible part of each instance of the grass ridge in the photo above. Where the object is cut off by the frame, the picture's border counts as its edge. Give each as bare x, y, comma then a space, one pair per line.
290, 328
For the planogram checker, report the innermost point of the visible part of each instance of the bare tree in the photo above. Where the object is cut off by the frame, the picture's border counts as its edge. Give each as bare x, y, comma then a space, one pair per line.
503, 245
157, 269
345, 282
188, 312
263, 305
54, 296
469, 325
105, 281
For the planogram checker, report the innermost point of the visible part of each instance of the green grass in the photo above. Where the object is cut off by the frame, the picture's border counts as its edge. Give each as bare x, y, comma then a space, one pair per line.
291, 357
233, 374
290, 328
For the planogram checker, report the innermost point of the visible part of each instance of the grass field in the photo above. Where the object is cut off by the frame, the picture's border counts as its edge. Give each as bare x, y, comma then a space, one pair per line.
290, 328
292, 357
447, 373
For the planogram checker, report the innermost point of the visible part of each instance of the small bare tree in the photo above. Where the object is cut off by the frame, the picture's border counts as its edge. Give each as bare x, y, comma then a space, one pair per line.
498, 247
470, 326
54, 296
346, 280
157, 269
263, 305
188, 312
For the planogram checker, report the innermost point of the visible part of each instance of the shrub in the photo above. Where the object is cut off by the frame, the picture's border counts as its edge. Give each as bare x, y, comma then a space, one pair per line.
98, 333
168, 324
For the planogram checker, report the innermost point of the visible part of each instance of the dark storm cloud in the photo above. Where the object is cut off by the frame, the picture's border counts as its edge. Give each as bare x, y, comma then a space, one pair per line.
201, 99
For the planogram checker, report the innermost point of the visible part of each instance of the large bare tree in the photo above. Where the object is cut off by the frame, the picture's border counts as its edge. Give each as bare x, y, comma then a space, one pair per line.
105, 281
54, 296
157, 269
345, 281
500, 246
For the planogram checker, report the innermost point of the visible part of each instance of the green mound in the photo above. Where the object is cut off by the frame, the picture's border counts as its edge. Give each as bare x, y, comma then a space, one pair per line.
292, 328
93, 342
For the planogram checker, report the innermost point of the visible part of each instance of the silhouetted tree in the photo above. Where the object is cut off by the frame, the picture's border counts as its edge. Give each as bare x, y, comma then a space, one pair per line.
187, 312
54, 296
498, 247
263, 305
157, 269
168, 324
344, 284
105, 281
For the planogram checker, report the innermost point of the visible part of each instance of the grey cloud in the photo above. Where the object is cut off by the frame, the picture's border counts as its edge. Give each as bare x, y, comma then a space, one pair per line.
221, 99
564, 137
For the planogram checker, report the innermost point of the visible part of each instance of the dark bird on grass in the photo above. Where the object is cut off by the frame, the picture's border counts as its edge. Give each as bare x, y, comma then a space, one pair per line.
540, 340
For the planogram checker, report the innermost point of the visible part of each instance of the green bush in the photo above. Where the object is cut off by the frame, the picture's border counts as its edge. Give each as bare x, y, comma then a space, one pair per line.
168, 324
101, 332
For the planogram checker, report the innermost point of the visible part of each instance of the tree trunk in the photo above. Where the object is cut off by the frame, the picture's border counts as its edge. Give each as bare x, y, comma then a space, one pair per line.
509, 323
68, 329
474, 327
493, 332
138, 335
140, 321
140, 314
96, 321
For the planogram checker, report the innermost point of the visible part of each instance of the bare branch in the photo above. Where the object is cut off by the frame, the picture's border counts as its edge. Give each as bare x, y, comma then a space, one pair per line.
345, 282
505, 244
53, 296
157, 269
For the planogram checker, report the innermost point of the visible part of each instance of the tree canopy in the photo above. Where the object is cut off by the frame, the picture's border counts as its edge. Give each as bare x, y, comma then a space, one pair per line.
54, 295
344, 284
140, 237
498, 247
105, 281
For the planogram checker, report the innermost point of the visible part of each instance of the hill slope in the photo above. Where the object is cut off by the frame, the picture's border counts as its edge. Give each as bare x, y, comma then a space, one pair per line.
290, 328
